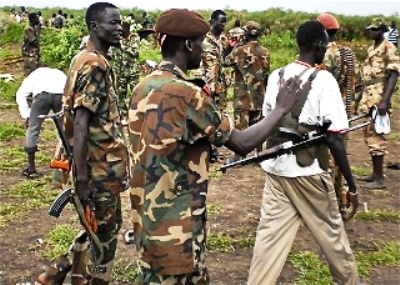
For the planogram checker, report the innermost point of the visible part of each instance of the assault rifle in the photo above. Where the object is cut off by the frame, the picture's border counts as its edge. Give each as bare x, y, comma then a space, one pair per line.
85, 209
296, 141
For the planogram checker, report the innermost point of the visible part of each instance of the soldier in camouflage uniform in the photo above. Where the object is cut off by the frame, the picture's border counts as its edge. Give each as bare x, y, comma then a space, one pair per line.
341, 61
126, 62
215, 48
172, 123
251, 64
31, 45
92, 127
380, 74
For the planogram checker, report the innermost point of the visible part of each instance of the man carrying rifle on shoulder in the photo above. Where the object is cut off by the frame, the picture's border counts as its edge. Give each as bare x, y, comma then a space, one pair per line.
93, 128
298, 187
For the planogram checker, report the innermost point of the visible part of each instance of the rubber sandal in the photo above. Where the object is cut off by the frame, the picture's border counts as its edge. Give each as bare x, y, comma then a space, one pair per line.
30, 174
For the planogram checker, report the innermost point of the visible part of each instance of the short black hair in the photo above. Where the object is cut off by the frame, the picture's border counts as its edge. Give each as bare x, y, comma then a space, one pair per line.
53, 15
32, 17
332, 33
309, 33
95, 10
216, 14
237, 23
60, 12
171, 45
39, 13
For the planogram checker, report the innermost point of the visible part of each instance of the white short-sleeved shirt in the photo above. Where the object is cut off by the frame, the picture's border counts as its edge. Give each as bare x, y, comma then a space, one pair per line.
323, 102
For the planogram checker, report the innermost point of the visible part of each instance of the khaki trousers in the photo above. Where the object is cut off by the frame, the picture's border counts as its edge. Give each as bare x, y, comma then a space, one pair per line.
285, 203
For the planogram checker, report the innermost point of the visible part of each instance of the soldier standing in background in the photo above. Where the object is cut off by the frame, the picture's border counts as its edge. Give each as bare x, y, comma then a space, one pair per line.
342, 63
235, 35
126, 63
215, 48
380, 74
31, 45
251, 65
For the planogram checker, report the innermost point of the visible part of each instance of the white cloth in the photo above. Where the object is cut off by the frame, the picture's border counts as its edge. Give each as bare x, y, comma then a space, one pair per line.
43, 79
323, 102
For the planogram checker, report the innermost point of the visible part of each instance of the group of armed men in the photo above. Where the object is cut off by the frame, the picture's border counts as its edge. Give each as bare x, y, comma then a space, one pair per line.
174, 120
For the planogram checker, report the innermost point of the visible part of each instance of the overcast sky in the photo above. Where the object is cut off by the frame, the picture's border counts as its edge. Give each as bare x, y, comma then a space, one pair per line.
354, 7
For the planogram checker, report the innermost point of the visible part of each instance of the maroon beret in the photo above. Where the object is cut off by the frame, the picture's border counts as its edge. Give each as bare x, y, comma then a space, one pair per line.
182, 23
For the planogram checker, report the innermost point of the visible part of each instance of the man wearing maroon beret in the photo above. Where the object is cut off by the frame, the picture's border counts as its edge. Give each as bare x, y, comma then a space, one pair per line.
173, 122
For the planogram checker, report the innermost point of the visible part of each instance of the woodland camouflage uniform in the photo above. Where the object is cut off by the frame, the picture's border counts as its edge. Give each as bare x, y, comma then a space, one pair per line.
378, 63
211, 66
342, 63
30, 49
126, 66
172, 124
90, 85
251, 63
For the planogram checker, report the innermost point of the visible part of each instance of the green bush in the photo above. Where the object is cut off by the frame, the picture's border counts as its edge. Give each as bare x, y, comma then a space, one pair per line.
58, 47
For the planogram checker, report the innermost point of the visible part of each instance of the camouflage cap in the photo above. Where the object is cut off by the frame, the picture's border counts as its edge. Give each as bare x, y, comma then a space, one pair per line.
182, 23
253, 28
377, 23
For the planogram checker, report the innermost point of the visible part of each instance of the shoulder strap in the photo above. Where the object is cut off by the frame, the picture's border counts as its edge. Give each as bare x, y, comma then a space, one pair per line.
296, 110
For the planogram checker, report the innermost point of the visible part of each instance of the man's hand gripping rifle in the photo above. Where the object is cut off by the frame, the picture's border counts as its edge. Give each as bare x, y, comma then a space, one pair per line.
85, 209
296, 141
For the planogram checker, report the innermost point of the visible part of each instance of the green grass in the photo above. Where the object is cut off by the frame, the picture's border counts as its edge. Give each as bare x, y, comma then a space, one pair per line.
8, 106
310, 268
59, 239
13, 158
221, 242
379, 216
361, 170
124, 272
13, 34
10, 131
213, 209
31, 194
9, 89
393, 136
386, 255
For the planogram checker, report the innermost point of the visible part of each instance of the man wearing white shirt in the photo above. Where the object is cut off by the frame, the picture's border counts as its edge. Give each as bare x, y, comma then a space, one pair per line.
45, 86
298, 187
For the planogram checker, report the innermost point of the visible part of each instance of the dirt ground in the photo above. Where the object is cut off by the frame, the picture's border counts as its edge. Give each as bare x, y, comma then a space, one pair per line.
237, 196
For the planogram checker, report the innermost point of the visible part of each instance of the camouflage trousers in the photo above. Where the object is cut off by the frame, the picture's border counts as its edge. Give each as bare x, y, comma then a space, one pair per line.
246, 118
376, 143
81, 254
121, 87
198, 277
220, 101
30, 63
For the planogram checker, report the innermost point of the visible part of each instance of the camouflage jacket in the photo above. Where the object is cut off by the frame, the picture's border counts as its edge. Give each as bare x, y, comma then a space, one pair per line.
30, 45
90, 85
172, 124
251, 64
342, 63
378, 63
211, 64
126, 58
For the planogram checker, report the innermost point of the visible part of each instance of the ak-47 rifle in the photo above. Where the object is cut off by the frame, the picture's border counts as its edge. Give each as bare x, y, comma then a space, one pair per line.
85, 209
298, 142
